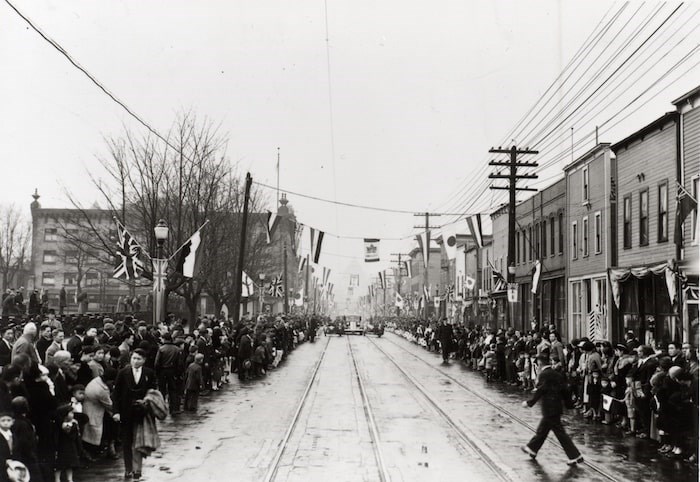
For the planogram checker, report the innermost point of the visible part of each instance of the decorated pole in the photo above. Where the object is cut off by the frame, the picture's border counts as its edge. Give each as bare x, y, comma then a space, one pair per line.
238, 282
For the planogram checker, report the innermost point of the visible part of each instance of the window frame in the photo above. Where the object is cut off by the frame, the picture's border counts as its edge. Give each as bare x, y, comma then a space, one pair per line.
598, 232
662, 215
561, 233
585, 185
627, 222
694, 188
584, 236
553, 247
44, 277
543, 236
49, 252
643, 218
574, 240
50, 235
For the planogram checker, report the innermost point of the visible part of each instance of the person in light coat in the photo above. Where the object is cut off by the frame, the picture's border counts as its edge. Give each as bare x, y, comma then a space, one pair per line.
97, 402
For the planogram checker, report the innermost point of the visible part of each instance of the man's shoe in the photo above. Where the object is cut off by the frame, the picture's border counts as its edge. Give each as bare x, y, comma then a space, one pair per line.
137, 476
529, 451
577, 460
128, 475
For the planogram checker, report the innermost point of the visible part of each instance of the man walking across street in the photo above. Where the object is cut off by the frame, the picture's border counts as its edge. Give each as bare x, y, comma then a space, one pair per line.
551, 389
168, 370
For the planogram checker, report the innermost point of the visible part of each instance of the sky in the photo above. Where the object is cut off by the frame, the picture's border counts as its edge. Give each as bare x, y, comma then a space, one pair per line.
391, 104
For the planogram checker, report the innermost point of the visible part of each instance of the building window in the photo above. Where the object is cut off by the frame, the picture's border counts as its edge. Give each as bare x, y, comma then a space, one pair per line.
70, 279
644, 217
561, 233
585, 184
663, 212
537, 241
531, 247
50, 257
72, 257
551, 236
50, 234
574, 240
627, 222
92, 279
544, 238
48, 279
576, 307
584, 232
598, 227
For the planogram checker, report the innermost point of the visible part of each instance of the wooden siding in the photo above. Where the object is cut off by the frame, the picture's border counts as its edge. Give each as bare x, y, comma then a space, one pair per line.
654, 157
691, 156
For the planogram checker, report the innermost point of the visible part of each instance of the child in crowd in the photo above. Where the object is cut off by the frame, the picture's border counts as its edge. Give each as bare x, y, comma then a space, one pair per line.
476, 354
606, 391
193, 383
490, 362
522, 366
594, 396
258, 359
67, 448
630, 397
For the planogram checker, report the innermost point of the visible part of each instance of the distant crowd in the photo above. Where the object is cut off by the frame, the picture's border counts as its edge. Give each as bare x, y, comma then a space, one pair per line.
646, 392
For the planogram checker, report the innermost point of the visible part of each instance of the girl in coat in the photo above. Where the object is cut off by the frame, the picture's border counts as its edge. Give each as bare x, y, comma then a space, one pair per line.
67, 446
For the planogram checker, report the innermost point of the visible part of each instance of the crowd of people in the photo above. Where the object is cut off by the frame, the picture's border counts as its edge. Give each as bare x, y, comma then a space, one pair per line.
647, 392
78, 389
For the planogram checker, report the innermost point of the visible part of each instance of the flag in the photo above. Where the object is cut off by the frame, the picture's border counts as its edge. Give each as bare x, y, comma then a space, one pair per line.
276, 288
326, 275
354, 280
450, 294
297, 230
272, 221
607, 402
160, 267
382, 280
499, 282
188, 253
399, 301
451, 247
299, 297
302, 263
685, 204
536, 272
371, 250
129, 252
474, 223
424, 246
470, 283
316, 242
247, 285
426, 293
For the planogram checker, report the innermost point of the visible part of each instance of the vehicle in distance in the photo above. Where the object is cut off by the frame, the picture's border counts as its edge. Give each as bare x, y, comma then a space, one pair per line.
353, 325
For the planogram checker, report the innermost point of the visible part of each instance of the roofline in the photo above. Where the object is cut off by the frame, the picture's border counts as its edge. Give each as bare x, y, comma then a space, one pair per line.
599, 147
686, 96
673, 115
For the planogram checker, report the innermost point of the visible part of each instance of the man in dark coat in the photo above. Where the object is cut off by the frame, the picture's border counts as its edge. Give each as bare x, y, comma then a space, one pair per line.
245, 351
74, 344
8, 338
131, 386
34, 303
445, 334
62, 301
167, 366
552, 391
642, 373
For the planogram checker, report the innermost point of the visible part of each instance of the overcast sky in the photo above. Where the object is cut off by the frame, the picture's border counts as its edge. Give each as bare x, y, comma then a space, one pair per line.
420, 91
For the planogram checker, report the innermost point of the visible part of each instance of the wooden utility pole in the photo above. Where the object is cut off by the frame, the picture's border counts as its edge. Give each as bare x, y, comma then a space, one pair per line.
306, 285
238, 282
426, 255
286, 284
399, 277
512, 164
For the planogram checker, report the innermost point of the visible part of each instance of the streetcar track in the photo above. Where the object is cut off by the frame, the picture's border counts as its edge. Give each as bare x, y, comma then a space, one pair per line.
371, 422
275, 464
501, 471
592, 466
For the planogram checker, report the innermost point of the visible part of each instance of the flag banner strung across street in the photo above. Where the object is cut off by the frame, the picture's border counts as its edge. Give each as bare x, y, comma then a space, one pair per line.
302, 263
129, 251
424, 246
382, 280
450, 293
299, 297
247, 285
371, 250
474, 223
316, 242
451, 246
536, 272
276, 288
160, 267
272, 221
354, 280
188, 256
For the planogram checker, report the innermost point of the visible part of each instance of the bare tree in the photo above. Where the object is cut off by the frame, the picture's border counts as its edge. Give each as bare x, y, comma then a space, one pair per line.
15, 234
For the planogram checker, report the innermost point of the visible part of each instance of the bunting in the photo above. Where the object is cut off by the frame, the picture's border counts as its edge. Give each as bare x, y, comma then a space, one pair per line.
474, 223
316, 242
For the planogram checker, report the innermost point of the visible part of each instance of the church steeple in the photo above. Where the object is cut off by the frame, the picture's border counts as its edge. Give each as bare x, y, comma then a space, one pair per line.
35, 204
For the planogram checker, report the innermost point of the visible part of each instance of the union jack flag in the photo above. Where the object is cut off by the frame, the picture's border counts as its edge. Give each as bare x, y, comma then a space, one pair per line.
129, 252
276, 288
451, 293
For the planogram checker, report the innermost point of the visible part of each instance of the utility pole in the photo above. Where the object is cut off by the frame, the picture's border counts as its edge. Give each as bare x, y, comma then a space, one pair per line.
426, 259
238, 282
512, 189
399, 277
286, 285
306, 284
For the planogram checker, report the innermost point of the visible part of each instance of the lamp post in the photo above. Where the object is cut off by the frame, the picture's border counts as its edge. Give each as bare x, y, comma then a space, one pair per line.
261, 276
160, 265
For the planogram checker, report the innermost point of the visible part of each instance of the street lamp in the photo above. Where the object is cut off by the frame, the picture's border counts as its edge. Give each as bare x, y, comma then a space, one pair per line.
261, 276
160, 265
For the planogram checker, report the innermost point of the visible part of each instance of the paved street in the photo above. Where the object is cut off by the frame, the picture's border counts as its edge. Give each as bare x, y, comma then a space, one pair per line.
474, 432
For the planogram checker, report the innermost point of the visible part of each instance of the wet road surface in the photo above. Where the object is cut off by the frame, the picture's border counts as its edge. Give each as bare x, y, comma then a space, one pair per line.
238, 431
